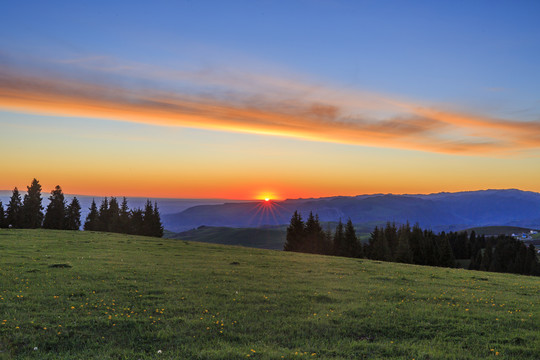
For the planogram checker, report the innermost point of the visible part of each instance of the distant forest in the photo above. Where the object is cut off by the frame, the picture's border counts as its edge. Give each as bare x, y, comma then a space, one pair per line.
112, 217
28, 214
412, 245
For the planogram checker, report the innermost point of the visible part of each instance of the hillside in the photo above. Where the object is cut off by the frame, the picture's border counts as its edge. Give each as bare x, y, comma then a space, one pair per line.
440, 212
262, 238
90, 295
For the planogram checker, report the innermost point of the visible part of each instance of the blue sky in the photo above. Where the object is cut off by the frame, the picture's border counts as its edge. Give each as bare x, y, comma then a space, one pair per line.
440, 78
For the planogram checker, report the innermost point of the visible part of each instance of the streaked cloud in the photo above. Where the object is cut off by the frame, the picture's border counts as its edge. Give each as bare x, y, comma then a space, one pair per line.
99, 87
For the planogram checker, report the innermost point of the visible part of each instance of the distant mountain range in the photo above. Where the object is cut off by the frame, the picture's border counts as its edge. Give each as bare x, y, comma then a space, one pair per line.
441, 211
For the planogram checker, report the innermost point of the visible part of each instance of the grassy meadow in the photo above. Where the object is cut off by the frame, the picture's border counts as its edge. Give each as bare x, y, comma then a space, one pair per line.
85, 295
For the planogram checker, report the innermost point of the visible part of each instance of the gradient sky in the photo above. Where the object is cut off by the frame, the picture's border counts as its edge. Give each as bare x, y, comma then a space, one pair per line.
280, 99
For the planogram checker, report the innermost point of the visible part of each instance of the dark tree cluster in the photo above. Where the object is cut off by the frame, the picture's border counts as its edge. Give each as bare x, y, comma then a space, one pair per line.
118, 218
309, 237
505, 254
413, 245
410, 245
28, 214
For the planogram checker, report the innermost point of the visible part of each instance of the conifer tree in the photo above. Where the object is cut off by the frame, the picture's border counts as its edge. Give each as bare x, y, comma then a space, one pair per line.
446, 256
476, 261
339, 240
113, 224
314, 235
390, 234
91, 223
2, 217
137, 222
13, 211
403, 251
56, 210
532, 265
148, 219
31, 214
157, 226
486, 258
124, 218
295, 234
352, 246
103, 217
73, 215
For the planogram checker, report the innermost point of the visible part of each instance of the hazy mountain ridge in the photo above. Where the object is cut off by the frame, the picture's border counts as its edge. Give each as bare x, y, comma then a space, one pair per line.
439, 211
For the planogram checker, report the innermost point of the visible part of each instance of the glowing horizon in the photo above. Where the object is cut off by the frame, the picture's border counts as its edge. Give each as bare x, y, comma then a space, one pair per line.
218, 102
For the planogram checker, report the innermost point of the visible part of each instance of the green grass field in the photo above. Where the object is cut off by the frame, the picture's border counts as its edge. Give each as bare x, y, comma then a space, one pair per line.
83, 295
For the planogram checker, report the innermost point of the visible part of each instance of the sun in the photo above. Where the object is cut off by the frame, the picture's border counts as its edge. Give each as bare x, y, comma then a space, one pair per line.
267, 199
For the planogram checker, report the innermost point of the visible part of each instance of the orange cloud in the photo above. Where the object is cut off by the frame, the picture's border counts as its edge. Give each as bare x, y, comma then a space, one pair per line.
274, 107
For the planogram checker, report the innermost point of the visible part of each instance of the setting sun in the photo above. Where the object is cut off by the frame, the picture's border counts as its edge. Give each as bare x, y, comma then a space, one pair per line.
266, 199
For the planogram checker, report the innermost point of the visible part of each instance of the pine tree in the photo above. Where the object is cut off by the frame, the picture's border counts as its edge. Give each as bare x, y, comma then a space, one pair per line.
103, 217
114, 216
314, 235
415, 242
390, 234
124, 220
486, 258
148, 218
13, 211
295, 234
91, 223
476, 261
73, 215
137, 222
352, 246
532, 265
2, 217
31, 213
446, 256
157, 226
339, 240
403, 251
56, 210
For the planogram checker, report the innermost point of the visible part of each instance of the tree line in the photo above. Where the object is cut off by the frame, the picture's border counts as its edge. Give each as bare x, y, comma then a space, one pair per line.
111, 217
413, 245
28, 213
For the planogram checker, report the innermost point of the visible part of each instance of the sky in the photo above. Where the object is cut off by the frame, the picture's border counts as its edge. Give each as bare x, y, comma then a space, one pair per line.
269, 99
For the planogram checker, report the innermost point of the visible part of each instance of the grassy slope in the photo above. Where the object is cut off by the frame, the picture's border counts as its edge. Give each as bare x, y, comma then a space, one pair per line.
262, 238
129, 296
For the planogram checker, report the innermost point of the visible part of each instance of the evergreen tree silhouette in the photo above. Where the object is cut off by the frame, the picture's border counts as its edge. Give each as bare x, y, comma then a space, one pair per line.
137, 222
124, 218
314, 235
148, 219
352, 246
3, 223
13, 211
157, 226
486, 258
446, 256
403, 251
295, 234
31, 214
73, 215
103, 217
113, 224
56, 210
91, 223
532, 264
339, 240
